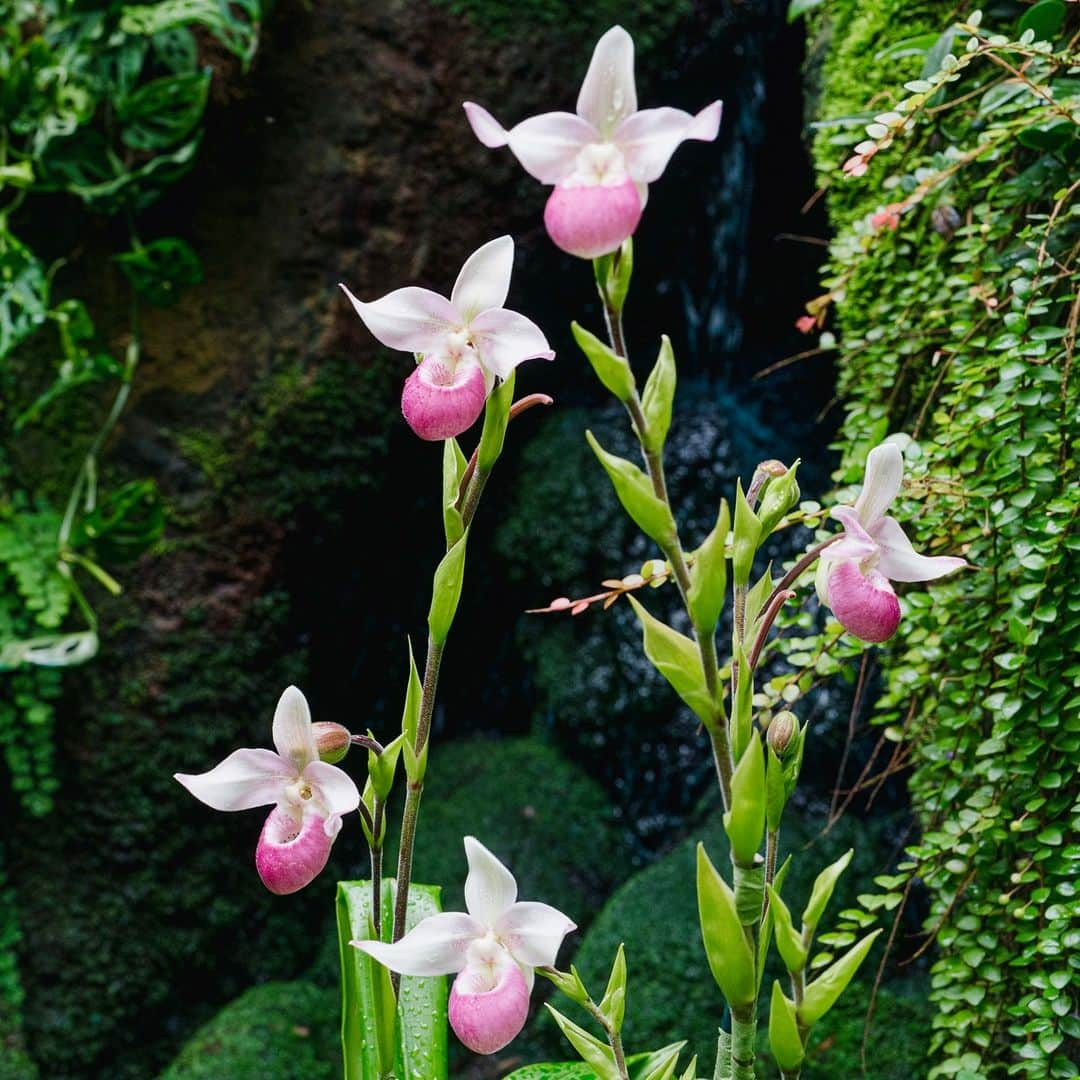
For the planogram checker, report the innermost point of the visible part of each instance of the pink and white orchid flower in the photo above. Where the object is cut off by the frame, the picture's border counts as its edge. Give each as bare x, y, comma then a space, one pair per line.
463, 344
308, 795
854, 573
493, 950
602, 158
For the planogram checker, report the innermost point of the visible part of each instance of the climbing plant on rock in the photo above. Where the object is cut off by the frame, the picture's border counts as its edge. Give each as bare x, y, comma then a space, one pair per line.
952, 294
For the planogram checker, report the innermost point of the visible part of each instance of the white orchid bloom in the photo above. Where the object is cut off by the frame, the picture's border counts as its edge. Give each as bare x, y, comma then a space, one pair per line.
601, 159
493, 950
464, 343
309, 796
854, 573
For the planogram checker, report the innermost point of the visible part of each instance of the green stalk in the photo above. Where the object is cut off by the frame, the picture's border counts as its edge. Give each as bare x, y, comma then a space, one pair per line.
743, 1052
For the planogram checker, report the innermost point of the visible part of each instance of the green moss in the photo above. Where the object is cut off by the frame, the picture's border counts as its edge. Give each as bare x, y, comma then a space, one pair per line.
672, 994
278, 1031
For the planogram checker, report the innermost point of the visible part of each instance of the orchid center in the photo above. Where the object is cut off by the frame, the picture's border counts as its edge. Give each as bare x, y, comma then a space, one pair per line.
599, 164
298, 792
485, 959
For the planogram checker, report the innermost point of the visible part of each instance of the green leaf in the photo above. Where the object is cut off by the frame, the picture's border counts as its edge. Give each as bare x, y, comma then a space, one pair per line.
419, 1051
454, 466
613, 1003
634, 489
162, 112
744, 823
789, 941
446, 591
823, 890
708, 576
821, 994
127, 522
24, 293
639, 1066
596, 1054
235, 23
658, 398
798, 8
775, 792
765, 937
1044, 19
496, 417
158, 271
726, 948
677, 658
410, 716
746, 537
611, 369
784, 1039
382, 767
742, 720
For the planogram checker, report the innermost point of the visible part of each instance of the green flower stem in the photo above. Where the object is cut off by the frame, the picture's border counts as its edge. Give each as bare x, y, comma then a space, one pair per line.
743, 1051
376, 851
614, 1038
772, 850
706, 643
415, 789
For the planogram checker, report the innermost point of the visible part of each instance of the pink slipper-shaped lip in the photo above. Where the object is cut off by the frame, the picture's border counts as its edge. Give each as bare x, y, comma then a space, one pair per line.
486, 1019
864, 604
441, 399
592, 219
291, 854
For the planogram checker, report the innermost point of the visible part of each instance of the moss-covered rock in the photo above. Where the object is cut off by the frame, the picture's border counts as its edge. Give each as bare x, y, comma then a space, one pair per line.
672, 994
277, 1031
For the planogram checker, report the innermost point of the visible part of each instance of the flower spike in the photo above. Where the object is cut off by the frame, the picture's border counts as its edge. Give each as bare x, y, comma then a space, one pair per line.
854, 573
463, 344
493, 950
602, 158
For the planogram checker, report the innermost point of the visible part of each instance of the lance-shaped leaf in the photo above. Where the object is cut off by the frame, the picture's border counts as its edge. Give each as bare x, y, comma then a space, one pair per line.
823, 890
596, 1054
746, 537
822, 993
418, 1052
611, 369
410, 716
744, 823
784, 1038
677, 658
496, 417
708, 575
742, 714
568, 983
454, 466
446, 591
635, 492
613, 1003
788, 940
765, 937
639, 1067
658, 398
381, 767
726, 947
775, 794
756, 596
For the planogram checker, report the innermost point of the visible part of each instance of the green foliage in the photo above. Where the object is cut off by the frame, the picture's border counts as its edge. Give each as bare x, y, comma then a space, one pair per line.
277, 1031
955, 308
670, 988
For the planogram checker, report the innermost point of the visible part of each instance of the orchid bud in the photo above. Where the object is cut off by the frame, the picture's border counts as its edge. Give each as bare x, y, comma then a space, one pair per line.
780, 495
331, 740
782, 729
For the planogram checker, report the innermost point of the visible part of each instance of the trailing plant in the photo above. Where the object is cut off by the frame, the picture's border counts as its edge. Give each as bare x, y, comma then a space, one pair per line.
951, 295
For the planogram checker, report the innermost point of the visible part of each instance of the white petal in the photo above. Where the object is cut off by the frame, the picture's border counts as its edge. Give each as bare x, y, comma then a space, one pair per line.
246, 778
533, 932
649, 138
490, 888
884, 471
293, 736
899, 560
608, 94
857, 542
503, 339
436, 946
484, 280
412, 319
546, 145
333, 788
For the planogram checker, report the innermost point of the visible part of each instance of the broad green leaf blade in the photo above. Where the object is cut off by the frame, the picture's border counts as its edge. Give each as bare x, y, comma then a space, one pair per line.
639, 1066
422, 1025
